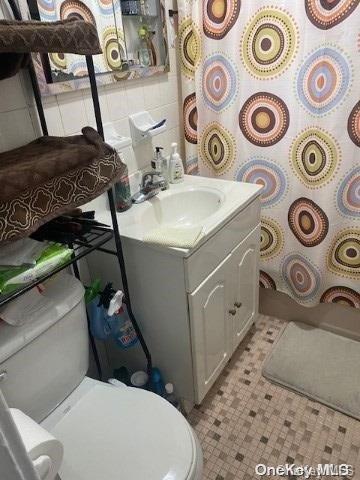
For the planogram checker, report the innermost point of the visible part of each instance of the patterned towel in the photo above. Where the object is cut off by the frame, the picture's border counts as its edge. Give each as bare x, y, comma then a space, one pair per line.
19, 38
181, 237
50, 177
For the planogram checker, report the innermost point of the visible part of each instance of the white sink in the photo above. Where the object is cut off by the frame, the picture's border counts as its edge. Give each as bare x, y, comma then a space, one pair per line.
201, 201
188, 207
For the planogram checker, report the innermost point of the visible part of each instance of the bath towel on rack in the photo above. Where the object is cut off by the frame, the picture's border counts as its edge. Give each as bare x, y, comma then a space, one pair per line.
19, 38
51, 176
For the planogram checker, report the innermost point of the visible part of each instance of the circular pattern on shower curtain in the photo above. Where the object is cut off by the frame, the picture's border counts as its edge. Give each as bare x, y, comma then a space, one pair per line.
76, 9
219, 82
190, 47
315, 157
326, 14
192, 166
271, 238
301, 276
342, 295
354, 124
266, 281
47, 10
107, 7
269, 43
219, 16
344, 254
264, 119
58, 60
113, 47
190, 118
79, 69
308, 222
217, 148
323, 80
264, 172
348, 194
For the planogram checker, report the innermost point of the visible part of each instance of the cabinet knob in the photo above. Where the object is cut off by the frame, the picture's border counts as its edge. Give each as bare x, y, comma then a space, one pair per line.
232, 311
237, 304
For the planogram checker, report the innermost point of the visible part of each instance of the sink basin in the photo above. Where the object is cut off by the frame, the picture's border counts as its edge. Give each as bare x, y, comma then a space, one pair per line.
186, 208
207, 202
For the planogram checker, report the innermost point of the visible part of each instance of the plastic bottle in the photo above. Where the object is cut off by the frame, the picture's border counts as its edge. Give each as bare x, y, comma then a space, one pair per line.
122, 192
176, 169
122, 330
160, 164
171, 397
157, 383
121, 327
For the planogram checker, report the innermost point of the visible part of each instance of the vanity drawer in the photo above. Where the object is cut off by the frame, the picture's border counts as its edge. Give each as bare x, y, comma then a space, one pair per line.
209, 255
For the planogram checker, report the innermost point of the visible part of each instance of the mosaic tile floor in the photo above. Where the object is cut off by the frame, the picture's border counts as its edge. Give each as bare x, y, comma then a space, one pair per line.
245, 420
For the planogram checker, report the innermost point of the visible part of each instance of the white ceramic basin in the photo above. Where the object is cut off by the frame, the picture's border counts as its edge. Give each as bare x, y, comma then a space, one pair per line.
201, 201
189, 207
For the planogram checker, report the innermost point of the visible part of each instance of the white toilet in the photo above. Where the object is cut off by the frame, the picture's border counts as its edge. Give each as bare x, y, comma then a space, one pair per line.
108, 433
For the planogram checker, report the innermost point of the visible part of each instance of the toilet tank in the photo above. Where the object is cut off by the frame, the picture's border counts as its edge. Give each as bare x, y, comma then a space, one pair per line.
44, 360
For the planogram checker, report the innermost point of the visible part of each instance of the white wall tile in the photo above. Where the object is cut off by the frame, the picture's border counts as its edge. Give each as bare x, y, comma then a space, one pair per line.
53, 118
12, 96
135, 97
73, 112
16, 128
89, 107
117, 102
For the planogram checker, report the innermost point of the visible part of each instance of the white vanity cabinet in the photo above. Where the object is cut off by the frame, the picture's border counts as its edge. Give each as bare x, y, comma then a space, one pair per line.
221, 310
194, 307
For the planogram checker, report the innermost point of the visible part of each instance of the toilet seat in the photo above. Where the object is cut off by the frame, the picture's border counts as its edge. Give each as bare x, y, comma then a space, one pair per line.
126, 433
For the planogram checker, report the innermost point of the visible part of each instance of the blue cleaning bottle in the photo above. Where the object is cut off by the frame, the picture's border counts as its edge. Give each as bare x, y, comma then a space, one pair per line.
121, 327
157, 383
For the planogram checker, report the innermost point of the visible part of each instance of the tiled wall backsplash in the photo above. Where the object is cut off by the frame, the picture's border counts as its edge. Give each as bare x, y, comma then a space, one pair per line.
67, 113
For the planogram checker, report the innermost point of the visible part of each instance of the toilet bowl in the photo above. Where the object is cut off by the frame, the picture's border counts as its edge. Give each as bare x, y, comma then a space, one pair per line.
108, 432
112, 433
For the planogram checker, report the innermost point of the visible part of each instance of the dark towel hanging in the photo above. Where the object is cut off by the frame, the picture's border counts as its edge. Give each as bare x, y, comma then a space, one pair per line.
19, 38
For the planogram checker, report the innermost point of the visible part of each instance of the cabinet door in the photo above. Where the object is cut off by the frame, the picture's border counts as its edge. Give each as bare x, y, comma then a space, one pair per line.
209, 323
245, 281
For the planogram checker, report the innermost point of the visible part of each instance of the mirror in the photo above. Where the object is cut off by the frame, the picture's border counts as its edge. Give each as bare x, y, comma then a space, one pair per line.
132, 34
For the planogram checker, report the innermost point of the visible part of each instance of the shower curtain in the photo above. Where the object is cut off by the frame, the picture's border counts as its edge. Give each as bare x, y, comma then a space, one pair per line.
271, 95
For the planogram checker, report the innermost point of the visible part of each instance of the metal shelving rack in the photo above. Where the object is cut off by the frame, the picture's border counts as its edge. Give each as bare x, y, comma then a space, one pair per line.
98, 236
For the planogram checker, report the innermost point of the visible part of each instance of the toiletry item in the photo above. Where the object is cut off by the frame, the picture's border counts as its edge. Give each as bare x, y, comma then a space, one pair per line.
53, 256
139, 379
176, 169
171, 397
157, 383
156, 162
160, 164
122, 193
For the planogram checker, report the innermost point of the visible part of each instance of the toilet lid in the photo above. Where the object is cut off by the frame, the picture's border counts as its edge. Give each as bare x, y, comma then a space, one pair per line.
124, 433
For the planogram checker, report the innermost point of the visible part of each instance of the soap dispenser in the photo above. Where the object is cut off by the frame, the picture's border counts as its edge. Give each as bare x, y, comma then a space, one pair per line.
160, 164
176, 169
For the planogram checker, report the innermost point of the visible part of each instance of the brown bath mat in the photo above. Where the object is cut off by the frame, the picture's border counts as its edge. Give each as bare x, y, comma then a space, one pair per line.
319, 364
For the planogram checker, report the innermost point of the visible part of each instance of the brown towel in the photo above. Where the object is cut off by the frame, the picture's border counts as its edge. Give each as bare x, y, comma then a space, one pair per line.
52, 176
18, 38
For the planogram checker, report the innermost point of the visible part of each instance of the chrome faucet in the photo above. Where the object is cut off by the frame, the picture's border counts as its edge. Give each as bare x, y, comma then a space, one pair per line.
152, 183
